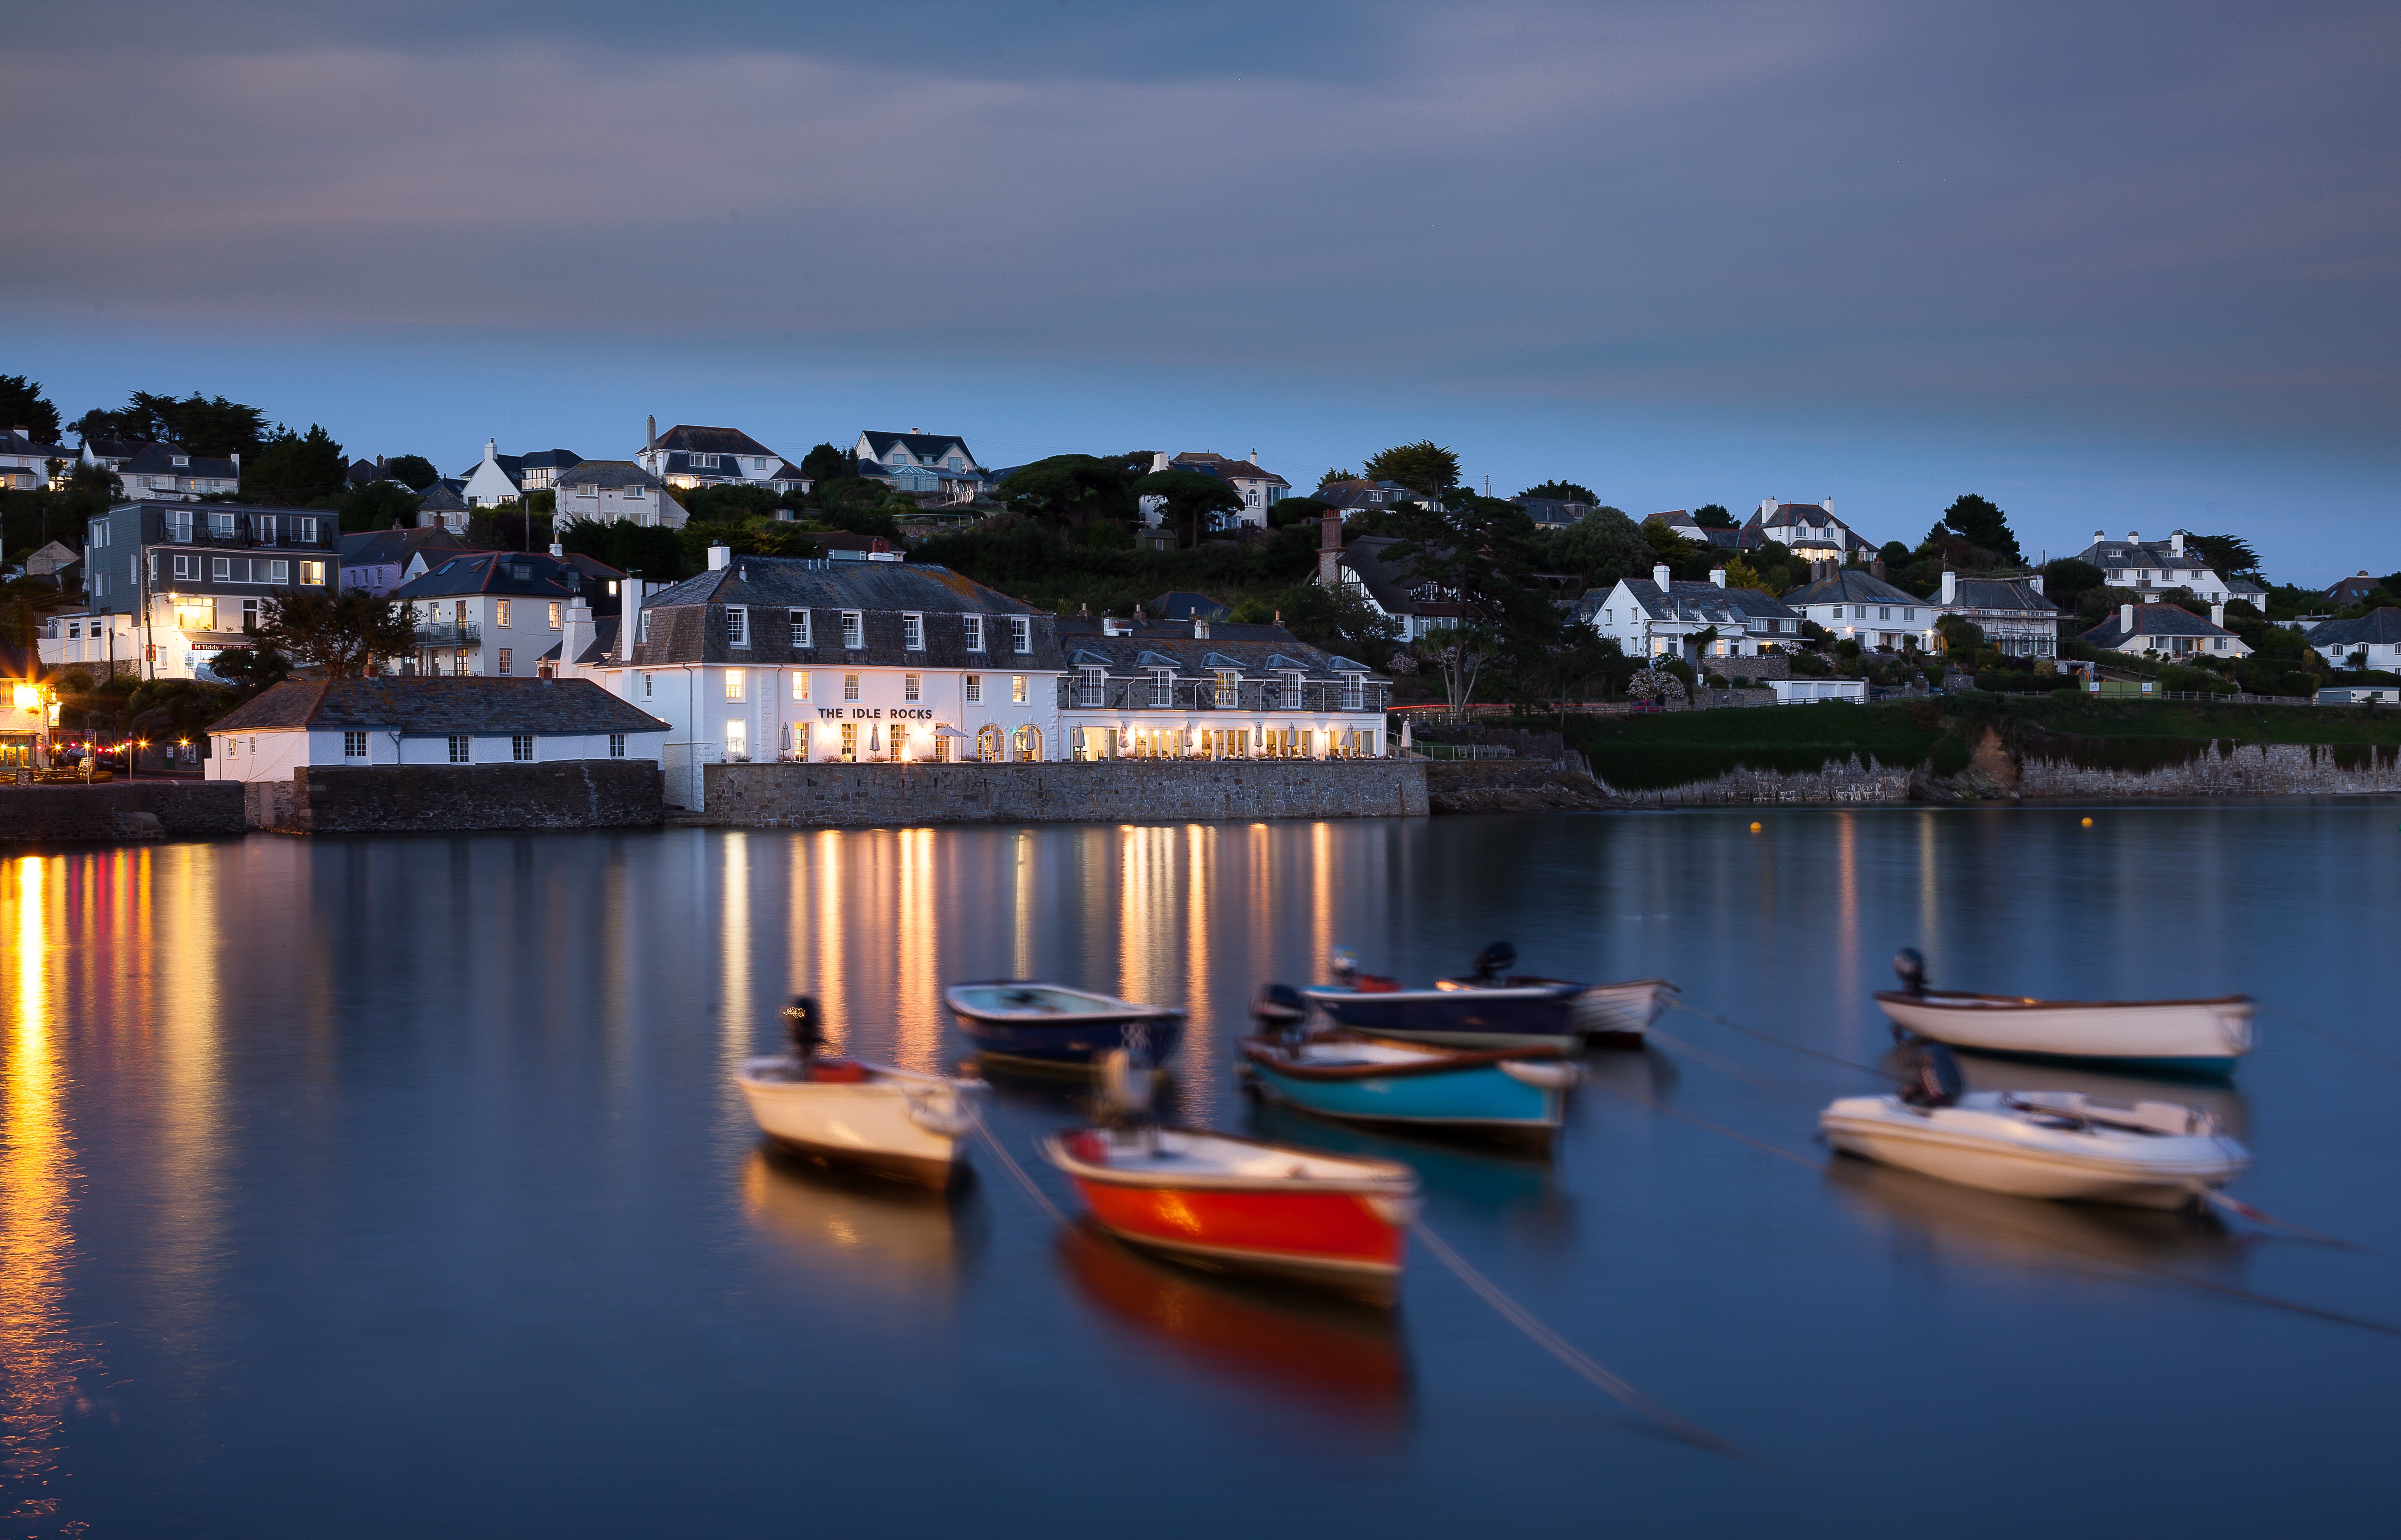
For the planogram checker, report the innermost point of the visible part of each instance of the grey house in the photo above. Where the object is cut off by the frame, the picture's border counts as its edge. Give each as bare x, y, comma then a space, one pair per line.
172, 584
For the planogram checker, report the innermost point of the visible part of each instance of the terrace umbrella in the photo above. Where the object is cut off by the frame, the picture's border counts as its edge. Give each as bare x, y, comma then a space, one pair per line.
875, 740
1405, 732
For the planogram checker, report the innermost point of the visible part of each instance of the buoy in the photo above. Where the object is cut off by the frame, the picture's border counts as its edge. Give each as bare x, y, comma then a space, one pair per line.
2088, 823
1754, 828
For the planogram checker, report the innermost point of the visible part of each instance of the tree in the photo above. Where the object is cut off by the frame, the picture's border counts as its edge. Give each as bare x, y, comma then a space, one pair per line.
1479, 555
204, 425
1741, 573
825, 463
1686, 561
23, 405
1557, 491
1332, 476
256, 667
1982, 524
346, 635
2228, 555
1713, 517
1422, 467
2066, 579
294, 469
377, 505
1601, 547
1076, 489
1341, 620
412, 470
1292, 511
1190, 499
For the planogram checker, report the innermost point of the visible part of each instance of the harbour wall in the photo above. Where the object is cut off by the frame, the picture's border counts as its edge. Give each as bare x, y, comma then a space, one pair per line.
571, 794
119, 812
1109, 791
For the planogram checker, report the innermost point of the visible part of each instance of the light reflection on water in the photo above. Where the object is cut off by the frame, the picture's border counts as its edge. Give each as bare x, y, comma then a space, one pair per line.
332, 1150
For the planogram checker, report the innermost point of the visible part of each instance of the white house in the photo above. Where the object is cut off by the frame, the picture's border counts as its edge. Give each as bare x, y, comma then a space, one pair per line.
766, 657
1259, 489
1210, 689
1807, 692
613, 492
2372, 641
1657, 617
688, 455
2168, 632
1804, 526
919, 461
26, 464
500, 614
2151, 567
1856, 604
500, 478
362, 723
164, 471
2013, 613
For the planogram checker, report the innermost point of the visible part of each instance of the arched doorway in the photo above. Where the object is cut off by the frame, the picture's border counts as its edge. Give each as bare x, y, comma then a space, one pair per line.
1029, 742
990, 744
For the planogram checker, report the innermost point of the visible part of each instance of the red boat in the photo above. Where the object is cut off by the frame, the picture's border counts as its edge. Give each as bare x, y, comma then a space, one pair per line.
1230, 1203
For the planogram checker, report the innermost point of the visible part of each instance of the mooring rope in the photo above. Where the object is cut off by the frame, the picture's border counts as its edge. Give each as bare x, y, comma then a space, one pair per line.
1780, 1043
2339, 1042
1041, 1199
1772, 1086
1658, 1106
1566, 1353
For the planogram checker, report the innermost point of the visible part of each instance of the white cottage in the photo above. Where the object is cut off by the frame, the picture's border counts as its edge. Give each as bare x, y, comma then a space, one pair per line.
1660, 618
386, 720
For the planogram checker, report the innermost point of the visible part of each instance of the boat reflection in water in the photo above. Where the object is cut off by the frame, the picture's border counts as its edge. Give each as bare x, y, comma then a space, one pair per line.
1493, 1178
883, 1237
1333, 1355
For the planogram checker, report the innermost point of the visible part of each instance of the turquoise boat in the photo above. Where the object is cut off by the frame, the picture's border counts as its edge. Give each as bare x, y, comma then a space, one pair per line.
1514, 1092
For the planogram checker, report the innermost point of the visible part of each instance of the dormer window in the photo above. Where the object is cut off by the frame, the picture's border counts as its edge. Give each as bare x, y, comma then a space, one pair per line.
704, 462
854, 629
975, 632
800, 622
912, 633
1229, 687
182, 461
738, 626
1021, 634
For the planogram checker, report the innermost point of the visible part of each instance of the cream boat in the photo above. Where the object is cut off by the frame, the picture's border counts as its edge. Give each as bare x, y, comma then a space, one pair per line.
2045, 1144
896, 1123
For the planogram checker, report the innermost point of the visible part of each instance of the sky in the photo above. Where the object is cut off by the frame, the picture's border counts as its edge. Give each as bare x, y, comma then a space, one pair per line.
2126, 267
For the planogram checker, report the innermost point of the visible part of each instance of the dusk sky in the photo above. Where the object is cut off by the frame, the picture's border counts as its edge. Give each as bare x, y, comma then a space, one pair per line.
2122, 267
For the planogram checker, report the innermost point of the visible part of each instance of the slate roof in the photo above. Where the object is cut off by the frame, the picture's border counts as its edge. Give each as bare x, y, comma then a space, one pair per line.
533, 574
2153, 620
14, 443
1705, 604
115, 449
918, 444
686, 620
1183, 605
1797, 516
2381, 627
1553, 512
605, 473
690, 439
2155, 555
1222, 467
787, 471
158, 459
603, 646
1390, 583
1850, 586
1999, 593
1254, 652
2351, 589
394, 547
442, 496
421, 706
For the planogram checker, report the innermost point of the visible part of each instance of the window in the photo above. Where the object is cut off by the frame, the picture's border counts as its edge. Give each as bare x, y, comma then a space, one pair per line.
704, 462
193, 614
1838, 612
280, 572
504, 659
355, 746
909, 686
801, 686
99, 533
1884, 612
1017, 689
1162, 687
646, 687
221, 525
1909, 614
975, 632
850, 687
642, 628
1354, 692
461, 749
912, 633
975, 689
262, 529
553, 615
854, 630
733, 683
220, 568
305, 530
616, 745
500, 612
1092, 687
737, 740
188, 568
1229, 687
850, 740
800, 619
521, 747
738, 626
1021, 634
179, 524
310, 572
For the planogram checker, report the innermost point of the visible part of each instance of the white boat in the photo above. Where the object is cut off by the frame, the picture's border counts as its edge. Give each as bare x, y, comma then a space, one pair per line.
2204, 1036
896, 1123
2045, 1144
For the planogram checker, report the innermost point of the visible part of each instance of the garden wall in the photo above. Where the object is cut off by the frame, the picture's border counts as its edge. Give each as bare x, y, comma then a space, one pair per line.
570, 794
1112, 791
120, 810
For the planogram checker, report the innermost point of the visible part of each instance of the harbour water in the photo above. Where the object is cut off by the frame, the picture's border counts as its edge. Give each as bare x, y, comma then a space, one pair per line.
398, 1186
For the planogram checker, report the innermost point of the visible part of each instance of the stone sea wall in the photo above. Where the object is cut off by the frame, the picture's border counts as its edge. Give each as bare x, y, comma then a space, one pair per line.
1112, 791
1851, 781
120, 810
573, 794
2226, 769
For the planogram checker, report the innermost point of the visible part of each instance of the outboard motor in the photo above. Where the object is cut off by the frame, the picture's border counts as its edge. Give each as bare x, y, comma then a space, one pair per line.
804, 1027
1910, 964
1124, 1094
1344, 965
1280, 1013
1494, 960
1933, 1077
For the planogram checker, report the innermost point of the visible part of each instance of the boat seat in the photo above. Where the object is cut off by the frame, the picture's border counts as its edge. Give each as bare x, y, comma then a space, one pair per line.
837, 1071
1090, 1145
1376, 984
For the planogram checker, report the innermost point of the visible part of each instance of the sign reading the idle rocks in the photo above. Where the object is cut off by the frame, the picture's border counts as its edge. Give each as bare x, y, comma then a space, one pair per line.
876, 713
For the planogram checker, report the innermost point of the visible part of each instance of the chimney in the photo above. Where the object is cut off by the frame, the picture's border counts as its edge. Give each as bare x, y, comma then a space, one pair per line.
1659, 575
2125, 620
1716, 577
558, 550
1950, 587
2035, 582
1199, 629
2098, 537
1876, 567
718, 556
629, 619
650, 435
2175, 542
575, 634
2133, 537
2217, 615
1158, 460
1330, 548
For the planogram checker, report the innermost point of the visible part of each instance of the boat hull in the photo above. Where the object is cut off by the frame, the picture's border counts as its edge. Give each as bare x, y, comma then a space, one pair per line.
2167, 1174
887, 1127
1064, 1040
1474, 1098
1551, 1015
2188, 1036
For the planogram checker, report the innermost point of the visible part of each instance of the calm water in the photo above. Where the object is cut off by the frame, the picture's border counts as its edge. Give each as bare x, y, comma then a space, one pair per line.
392, 1187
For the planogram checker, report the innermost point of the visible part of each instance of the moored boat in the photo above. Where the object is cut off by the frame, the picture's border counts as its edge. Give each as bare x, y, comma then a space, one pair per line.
1051, 1025
2192, 1036
870, 1117
1492, 1008
1516, 1091
2038, 1144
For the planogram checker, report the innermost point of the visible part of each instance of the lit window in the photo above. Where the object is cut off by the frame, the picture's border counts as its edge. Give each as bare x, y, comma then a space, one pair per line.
553, 616
1229, 687
800, 619
912, 633
850, 687
1021, 634
1017, 689
738, 626
521, 747
975, 632
909, 683
801, 686
733, 681
355, 746
310, 572
853, 629
737, 740
1162, 687
500, 613
850, 740
616, 745
461, 749
504, 659
975, 689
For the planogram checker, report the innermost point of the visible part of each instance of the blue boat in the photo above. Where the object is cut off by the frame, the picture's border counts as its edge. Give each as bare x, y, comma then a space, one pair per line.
1490, 1009
1518, 1093
1053, 1026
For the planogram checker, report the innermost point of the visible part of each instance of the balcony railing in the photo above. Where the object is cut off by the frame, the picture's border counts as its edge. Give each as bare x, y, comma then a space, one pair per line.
1075, 693
439, 636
